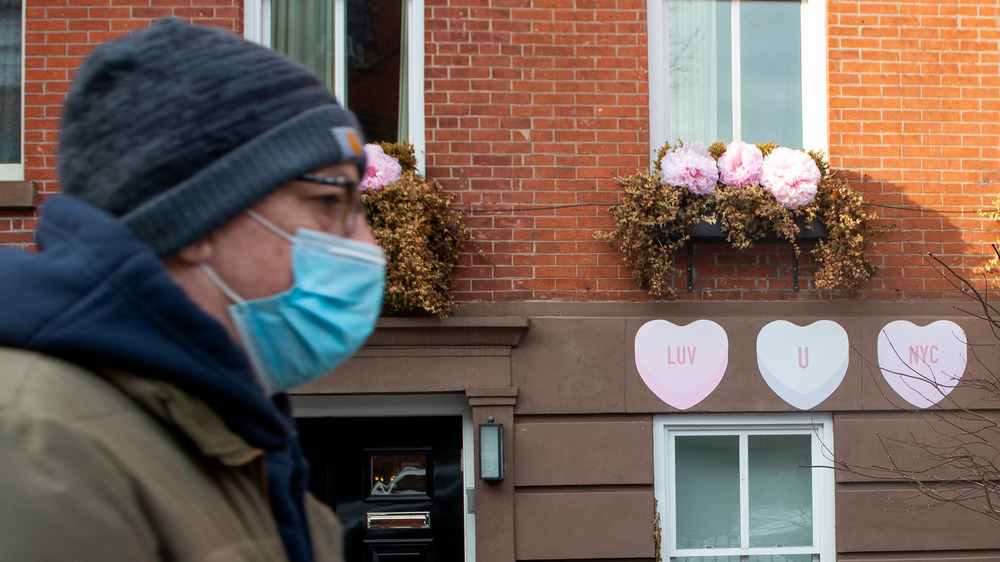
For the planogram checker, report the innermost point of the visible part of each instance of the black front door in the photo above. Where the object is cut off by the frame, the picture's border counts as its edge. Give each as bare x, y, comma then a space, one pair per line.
395, 483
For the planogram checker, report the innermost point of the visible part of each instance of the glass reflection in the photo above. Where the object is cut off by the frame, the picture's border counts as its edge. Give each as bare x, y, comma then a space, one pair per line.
780, 491
708, 491
771, 72
398, 475
768, 57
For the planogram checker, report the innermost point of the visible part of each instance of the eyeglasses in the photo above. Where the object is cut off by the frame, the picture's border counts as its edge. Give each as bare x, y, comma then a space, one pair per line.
341, 181
351, 208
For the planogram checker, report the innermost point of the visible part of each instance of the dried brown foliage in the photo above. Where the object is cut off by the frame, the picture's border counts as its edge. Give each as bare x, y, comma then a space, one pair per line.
422, 236
652, 223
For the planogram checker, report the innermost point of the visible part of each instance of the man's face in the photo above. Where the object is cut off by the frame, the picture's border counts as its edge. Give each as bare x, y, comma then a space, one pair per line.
256, 262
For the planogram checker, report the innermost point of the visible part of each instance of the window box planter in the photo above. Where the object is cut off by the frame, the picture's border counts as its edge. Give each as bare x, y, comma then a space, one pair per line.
711, 232
691, 197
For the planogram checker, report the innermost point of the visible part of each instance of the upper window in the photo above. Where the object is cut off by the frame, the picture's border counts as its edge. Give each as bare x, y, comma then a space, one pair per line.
369, 52
11, 72
751, 70
745, 488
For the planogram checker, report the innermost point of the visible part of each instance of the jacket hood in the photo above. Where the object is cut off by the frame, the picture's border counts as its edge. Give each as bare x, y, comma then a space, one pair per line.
96, 296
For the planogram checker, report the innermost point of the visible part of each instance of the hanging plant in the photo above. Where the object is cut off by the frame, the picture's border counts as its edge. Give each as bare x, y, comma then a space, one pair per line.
749, 191
991, 269
422, 235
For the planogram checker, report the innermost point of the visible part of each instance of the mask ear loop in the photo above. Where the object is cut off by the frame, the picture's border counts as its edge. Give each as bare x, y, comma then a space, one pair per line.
215, 276
240, 328
270, 226
221, 284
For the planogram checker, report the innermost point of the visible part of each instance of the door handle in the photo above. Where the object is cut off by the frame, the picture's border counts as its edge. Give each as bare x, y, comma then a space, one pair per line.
399, 520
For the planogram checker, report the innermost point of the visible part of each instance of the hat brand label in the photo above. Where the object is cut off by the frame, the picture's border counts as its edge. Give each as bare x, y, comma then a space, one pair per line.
349, 141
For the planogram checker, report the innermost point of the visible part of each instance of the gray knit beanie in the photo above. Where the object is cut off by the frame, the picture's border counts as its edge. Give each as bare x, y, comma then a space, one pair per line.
178, 128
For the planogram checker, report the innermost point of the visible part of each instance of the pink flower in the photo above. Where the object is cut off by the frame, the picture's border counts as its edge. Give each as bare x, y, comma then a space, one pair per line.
740, 165
690, 167
791, 176
382, 169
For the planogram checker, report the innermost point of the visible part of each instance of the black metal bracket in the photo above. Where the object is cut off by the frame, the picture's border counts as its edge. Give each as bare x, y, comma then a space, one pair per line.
711, 233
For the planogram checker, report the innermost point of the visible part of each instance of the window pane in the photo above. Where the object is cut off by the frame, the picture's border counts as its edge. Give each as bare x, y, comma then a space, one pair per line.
771, 72
780, 558
708, 491
780, 491
398, 475
304, 30
700, 70
10, 81
707, 559
374, 29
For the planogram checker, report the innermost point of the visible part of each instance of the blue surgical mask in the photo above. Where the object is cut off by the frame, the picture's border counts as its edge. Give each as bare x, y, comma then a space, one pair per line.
300, 335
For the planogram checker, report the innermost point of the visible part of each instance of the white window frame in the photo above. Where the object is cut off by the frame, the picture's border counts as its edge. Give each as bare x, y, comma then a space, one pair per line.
257, 28
820, 426
814, 61
12, 171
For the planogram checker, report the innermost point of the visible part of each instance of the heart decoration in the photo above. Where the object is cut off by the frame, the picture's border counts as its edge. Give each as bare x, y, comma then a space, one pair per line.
803, 365
922, 364
681, 364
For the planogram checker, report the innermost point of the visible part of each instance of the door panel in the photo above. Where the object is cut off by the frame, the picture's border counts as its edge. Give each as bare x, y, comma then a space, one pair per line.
396, 551
395, 483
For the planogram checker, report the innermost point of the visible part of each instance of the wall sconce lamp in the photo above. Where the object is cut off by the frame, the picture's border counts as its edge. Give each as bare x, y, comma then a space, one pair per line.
491, 450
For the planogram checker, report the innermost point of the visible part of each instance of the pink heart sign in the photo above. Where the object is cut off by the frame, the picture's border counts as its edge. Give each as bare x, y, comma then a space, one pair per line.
803, 365
681, 364
922, 364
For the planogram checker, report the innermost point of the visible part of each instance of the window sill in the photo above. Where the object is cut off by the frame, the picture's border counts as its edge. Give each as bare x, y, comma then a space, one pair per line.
18, 195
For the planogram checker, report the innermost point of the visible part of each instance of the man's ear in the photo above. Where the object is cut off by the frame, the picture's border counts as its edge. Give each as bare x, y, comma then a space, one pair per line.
197, 253
185, 268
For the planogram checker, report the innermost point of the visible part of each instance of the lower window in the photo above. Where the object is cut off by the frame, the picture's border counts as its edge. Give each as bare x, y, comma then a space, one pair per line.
745, 488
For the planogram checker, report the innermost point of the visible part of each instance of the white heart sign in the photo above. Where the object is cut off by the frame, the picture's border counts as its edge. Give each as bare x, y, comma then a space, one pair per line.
803, 365
922, 364
681, 364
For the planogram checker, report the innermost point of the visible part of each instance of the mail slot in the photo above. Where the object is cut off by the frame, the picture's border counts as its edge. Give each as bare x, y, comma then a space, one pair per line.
400, 520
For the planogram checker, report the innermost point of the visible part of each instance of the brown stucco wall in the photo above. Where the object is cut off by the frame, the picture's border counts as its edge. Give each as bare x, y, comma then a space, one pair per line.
579, 358
578, 421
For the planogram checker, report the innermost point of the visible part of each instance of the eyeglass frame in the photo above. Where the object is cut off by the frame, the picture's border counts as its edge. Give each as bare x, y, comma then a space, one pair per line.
353, 208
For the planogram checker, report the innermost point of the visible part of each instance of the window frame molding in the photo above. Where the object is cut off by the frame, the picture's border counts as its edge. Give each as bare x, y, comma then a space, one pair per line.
820, 426
256, 28
11, 172
814, 78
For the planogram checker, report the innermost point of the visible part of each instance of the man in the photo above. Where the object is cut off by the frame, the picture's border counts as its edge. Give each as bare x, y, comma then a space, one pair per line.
209, 254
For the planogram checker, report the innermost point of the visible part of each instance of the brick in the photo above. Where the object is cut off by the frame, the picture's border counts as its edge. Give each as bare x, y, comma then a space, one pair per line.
513, 93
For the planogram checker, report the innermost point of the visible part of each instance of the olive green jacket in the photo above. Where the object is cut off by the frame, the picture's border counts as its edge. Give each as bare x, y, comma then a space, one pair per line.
115, 467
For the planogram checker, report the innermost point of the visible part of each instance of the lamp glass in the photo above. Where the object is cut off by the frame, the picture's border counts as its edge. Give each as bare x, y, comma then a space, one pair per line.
491, 451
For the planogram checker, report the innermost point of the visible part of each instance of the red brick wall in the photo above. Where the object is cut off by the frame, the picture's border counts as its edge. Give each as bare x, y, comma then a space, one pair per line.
538, 104
915, 118
533, 106
58, 35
